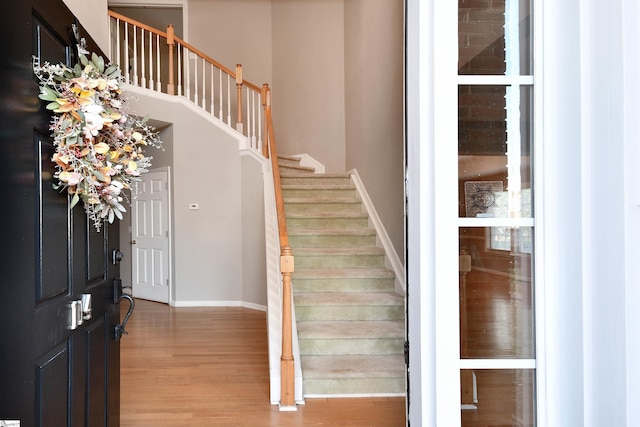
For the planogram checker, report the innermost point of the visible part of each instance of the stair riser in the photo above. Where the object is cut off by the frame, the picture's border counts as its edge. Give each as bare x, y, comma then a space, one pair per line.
320, 208
288, 162
354, 386
316, 179
308, 313
378, 346
319, 193
323, 241
295, 169
340, 261
326, 223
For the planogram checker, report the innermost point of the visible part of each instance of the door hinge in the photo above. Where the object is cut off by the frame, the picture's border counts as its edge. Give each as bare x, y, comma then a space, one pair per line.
406, 353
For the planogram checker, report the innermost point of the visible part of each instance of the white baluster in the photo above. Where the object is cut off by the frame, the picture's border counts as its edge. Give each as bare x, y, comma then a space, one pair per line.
126, 53
195, 78
220, 94
118, 59
159, 88
259, 113
213, 93
229, 99
180, 56
204, 85
135, 57
187, 74
253, 120
143, 74
151, 81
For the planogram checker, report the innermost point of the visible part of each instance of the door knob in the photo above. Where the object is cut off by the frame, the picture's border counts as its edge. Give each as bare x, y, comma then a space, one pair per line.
133, 242
116, 256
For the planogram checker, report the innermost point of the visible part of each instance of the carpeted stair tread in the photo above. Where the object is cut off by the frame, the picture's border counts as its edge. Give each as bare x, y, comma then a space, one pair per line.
336, 232
348, 299
367, 250
338, 273
336, 200
328, 215
317, 187
341, 329
353, 366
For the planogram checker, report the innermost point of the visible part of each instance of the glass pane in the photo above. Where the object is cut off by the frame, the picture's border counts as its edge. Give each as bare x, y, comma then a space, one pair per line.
494, 37
497, 397
494, 151
496, 293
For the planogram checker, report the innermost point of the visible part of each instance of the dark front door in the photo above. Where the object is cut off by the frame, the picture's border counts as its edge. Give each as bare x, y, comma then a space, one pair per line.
55, 370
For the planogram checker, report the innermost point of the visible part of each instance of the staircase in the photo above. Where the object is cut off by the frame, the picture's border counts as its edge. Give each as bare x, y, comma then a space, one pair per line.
350, 321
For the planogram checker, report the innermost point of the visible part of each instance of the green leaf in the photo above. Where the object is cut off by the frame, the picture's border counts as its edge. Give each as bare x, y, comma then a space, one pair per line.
48, 94
98, 61
53, 106
73, 139
111, 69
78, 70
74, 200
84, 60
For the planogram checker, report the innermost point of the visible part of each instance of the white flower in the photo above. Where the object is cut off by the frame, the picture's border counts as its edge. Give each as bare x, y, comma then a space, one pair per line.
94, 122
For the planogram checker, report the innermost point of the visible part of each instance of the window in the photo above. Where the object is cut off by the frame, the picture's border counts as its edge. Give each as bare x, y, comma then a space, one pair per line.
495, 223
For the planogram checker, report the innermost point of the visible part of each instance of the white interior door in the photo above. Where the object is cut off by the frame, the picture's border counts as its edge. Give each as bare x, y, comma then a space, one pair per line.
150, 237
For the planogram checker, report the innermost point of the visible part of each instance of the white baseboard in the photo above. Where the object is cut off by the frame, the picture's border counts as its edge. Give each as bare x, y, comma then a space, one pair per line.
244, 304
391, 255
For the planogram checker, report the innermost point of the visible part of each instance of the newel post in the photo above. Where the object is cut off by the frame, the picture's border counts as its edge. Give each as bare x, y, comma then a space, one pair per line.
265, 98
239, 86
171, 88
287, 374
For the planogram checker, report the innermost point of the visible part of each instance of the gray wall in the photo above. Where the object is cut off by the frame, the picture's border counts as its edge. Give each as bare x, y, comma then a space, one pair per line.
374, 107
218, 250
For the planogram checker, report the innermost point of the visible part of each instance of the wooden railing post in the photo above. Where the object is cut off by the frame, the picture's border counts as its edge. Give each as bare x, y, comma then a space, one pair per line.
287, 397
265, 99
171, 87
239, 86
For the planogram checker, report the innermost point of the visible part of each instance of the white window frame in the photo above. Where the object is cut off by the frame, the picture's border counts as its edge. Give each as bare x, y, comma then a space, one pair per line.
432, 177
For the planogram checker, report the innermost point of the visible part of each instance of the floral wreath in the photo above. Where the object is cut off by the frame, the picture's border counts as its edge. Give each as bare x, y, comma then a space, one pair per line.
99, 149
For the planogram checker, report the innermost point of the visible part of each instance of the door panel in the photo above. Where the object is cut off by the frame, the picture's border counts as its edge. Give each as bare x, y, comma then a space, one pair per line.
150, 225
52, 373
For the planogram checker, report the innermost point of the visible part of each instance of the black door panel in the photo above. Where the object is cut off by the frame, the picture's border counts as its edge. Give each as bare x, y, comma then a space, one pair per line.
54, 370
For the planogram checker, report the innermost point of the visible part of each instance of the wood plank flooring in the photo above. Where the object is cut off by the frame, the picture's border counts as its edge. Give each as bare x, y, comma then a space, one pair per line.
209, 367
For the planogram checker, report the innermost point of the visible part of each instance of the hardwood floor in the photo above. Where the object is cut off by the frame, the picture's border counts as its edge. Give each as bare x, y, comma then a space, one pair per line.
209, 367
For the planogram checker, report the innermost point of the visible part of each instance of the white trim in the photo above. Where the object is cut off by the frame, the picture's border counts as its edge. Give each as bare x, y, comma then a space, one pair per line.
354, 395
200, 303
391, 255
631, 38
498, 364
444, 172
496, 80
307, 161
496, 222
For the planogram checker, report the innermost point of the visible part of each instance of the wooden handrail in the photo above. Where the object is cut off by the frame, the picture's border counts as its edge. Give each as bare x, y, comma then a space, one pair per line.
135, 23
177, 45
